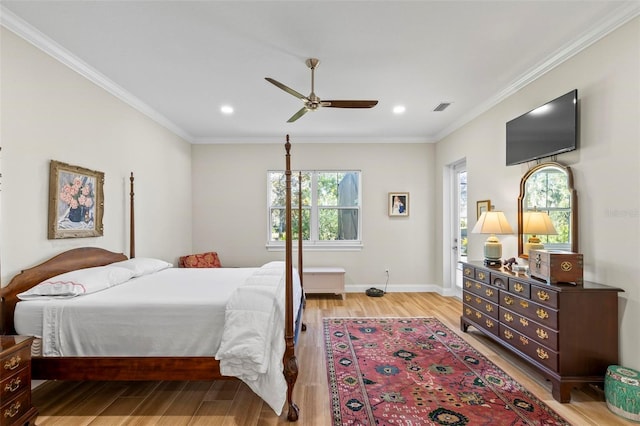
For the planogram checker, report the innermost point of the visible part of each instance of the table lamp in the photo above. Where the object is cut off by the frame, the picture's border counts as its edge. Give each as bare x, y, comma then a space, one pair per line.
536, 223
492, 222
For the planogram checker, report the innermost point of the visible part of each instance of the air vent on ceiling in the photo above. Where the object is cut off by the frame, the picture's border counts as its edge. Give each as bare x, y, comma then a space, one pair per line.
442, 106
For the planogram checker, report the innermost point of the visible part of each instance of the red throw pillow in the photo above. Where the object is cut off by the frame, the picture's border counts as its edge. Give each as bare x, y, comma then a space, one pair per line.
201, 260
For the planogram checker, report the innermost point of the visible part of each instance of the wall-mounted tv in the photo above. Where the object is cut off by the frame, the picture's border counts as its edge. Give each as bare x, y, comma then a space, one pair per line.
548, 130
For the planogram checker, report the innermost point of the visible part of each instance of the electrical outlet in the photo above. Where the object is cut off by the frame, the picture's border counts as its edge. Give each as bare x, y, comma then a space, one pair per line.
386, 270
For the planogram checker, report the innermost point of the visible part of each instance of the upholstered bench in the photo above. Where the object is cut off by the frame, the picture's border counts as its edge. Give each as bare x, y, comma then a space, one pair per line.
622, 391
200, 260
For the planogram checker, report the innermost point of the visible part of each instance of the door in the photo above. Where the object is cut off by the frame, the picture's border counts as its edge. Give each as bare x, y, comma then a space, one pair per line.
459, 219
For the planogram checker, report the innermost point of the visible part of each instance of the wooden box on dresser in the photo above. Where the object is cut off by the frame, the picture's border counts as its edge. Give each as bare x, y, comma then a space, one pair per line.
568, 332
15, 381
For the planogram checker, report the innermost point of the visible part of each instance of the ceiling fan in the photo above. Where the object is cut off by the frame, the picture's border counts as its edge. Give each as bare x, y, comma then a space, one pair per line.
313, 102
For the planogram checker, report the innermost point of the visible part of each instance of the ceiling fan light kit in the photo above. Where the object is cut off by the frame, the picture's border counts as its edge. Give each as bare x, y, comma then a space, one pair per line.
313, 102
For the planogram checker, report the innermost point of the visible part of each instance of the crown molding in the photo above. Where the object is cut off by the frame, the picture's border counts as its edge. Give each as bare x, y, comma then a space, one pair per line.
625, 13
18, 26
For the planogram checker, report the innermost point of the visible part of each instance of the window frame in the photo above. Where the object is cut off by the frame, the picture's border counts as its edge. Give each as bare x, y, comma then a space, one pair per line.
313, 243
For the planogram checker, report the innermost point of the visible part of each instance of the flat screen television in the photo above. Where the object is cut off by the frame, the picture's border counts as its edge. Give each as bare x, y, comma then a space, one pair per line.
548, 130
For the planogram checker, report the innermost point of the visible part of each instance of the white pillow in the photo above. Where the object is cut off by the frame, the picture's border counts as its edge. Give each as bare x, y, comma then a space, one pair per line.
143, 265
77, 283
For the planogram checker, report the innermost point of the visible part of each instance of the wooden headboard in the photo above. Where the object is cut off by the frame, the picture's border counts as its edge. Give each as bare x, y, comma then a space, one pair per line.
71, 260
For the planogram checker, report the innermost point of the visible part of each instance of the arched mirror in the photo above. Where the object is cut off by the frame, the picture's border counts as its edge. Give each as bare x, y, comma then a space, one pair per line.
548, 188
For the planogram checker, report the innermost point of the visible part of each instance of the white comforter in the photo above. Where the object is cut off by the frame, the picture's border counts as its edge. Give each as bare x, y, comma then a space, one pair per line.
253, 343
236, 314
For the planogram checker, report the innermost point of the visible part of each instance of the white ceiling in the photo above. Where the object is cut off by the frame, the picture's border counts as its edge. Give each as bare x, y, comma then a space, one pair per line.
180, 61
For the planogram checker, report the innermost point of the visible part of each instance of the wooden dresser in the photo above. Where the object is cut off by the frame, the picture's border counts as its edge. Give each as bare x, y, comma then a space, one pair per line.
568, 332
15, 381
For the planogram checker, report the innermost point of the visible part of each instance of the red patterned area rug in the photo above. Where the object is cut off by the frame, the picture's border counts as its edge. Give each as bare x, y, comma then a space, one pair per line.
415, 372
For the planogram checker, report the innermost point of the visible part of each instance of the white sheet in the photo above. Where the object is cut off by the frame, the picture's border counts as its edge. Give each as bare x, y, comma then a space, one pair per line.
174, 312
235, 313
253, 343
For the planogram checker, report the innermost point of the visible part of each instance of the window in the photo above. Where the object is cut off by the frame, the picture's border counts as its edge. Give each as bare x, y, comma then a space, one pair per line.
331, 208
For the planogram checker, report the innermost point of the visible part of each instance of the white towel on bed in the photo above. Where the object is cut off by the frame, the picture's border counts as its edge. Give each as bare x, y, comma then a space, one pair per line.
253, 343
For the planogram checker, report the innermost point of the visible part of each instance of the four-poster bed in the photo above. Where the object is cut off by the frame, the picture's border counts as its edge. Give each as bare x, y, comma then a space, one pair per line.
182, 367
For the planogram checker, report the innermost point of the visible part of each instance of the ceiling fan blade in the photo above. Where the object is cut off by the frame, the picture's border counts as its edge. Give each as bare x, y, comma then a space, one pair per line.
349, 104
302, 111
286, 88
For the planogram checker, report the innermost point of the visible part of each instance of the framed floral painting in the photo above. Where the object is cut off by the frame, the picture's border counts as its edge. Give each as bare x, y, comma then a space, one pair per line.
76, 201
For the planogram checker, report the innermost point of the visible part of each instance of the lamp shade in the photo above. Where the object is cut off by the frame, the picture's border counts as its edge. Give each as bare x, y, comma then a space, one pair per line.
492, 222
537, 223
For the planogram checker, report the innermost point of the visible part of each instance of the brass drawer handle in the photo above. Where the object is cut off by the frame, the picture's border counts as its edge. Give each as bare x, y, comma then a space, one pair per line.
518, 287
467, 298
467, 284
467, 271
542, 314
489, 308
478, 286
478, 315
481, 275
508, 317
489, 323
543, 295
488, 292
13, 363
12, 410
508, 300
542, 334
524, 322
542, 354
13, 385
478, 300
508, 334
524, 304
524, 340
467, 311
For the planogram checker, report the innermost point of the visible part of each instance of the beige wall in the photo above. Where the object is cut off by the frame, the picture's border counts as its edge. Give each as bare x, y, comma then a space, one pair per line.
50, 112
606, 167
230, 195
206, 197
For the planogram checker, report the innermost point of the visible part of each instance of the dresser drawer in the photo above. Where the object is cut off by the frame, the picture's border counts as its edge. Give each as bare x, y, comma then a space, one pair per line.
482, 290
539, 313
483, 276
521, 288
15, 384
529, 328
538, 352
13, 362
486, 322
15, 408
544, 296
483, 305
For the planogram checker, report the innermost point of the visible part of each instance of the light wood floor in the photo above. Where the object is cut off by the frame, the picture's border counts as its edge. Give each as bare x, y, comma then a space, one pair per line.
232, 403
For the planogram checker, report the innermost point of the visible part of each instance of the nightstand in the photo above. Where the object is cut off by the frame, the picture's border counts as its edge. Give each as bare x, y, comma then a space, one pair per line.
15, 381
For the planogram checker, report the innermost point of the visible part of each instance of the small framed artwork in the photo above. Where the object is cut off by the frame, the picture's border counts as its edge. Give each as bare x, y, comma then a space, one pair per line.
76, 201
398, 204
483, 206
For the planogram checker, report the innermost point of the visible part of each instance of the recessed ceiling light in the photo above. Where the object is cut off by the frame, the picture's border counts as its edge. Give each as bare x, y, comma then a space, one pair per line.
226, 109
399, 109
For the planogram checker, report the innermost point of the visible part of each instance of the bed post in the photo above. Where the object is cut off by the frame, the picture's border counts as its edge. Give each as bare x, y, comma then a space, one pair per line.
300, 228
132, 224
290, 361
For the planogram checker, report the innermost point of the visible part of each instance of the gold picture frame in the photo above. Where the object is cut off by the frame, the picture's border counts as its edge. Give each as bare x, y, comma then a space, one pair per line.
482, 206
76, 201
398, 204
